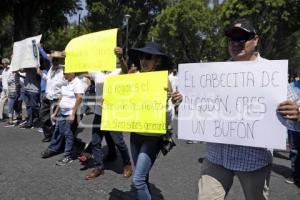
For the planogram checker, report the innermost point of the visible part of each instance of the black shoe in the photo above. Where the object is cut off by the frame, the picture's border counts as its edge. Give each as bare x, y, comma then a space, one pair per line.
48, 153
46, 139
110, 158
26, 126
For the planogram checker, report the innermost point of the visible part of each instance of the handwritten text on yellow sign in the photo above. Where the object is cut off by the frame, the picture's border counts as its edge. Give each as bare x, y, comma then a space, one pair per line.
135, 103
92, 52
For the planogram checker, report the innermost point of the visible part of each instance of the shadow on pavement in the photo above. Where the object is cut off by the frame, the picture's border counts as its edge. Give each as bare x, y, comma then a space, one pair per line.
116, 194
281, 170
282, 155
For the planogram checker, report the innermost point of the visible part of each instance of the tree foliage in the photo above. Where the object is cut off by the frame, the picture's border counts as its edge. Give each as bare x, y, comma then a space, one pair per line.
190, 32
277, 22
32, 17
105, 14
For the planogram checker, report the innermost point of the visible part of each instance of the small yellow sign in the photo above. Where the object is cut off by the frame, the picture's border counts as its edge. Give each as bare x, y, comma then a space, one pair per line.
135, 103
92, 52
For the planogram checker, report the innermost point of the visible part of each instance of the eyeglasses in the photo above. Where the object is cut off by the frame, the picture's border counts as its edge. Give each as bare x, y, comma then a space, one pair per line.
241, 38
146, 56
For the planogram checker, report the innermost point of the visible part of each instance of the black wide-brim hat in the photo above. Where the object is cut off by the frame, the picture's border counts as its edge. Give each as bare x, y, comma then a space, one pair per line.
150, 48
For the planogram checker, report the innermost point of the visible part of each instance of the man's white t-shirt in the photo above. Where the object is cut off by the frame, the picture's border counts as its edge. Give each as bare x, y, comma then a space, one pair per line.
99, 82
68, 95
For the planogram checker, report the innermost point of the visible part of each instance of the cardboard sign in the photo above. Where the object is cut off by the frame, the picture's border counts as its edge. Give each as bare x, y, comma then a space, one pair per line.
233, 102
135, 103
26, 53
92, 52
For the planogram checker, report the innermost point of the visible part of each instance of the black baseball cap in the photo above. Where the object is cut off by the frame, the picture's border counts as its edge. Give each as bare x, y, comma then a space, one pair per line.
241, 25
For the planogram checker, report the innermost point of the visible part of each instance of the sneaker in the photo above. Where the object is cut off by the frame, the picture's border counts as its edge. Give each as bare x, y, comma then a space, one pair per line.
9, 124
40, 130
289, 180
22, 123
64, 161
26, 126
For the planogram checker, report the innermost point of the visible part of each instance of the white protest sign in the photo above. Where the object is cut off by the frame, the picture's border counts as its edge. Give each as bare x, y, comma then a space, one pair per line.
26, 53
233, 102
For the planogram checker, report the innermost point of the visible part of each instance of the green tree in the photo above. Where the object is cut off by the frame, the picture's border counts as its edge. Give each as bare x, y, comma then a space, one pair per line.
190, 31
277, 22
34, 16
6, 38
110, 14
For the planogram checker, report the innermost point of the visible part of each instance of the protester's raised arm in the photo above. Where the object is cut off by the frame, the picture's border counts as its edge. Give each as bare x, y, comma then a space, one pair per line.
119, 53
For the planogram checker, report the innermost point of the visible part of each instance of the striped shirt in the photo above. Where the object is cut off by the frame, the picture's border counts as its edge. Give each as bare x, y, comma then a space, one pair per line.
13, 82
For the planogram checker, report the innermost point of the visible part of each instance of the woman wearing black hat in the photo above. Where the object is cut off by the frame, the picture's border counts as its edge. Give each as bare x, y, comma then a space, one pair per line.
145, 147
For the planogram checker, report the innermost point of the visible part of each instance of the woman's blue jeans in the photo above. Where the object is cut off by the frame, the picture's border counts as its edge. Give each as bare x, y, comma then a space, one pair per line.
13, 105
144, 151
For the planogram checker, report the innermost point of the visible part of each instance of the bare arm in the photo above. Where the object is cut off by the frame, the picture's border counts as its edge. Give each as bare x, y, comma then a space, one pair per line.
123, 64
76, 106
57, 108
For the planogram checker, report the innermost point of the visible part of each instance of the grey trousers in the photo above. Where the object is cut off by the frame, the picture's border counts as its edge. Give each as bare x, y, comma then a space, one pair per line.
3, 101
216, 181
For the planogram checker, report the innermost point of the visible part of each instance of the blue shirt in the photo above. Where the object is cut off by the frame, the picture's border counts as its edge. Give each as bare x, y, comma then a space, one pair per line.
239, 158
46, 68
294, 95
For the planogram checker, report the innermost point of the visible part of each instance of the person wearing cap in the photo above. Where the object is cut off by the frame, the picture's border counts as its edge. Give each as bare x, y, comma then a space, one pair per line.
145, 147
4, 93
54, 82
112, 138
251, 165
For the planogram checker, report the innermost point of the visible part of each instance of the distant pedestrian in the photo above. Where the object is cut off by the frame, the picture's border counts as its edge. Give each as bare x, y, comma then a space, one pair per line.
4, 93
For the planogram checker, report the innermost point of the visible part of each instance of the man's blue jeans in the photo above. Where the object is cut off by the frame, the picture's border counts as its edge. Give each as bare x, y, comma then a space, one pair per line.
144, 151
32, 101
112, 139
13, 105
62, 133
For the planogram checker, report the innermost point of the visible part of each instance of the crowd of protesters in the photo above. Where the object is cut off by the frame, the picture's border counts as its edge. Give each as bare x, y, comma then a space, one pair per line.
53, 100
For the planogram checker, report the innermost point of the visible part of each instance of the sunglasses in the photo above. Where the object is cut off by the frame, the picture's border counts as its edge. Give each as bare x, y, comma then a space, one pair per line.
241, 38
56, 60
146, 56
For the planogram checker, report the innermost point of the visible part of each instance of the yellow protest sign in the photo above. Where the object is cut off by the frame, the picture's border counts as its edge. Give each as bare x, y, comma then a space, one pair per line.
92, 52
135, 103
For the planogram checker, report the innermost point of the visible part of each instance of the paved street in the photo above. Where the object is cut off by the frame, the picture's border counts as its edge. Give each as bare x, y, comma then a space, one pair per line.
25, 176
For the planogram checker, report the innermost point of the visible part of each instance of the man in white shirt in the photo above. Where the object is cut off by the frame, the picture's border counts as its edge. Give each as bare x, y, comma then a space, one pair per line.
65, 117
54, 82
4, 93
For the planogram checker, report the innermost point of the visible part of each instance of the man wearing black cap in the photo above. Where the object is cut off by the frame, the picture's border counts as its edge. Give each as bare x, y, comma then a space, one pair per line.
251, 165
